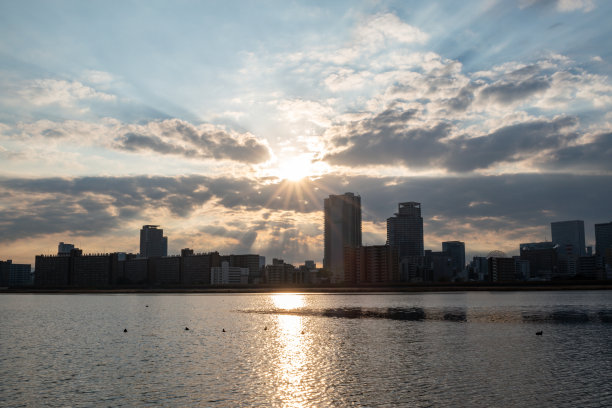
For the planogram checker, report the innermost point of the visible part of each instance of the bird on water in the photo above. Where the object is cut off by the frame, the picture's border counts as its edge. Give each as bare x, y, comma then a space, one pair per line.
125, 330
186, 328
223, 330
539, 333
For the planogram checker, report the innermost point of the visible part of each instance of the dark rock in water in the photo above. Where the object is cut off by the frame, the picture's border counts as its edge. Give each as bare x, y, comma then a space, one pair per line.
569, 316
605, 316
410, 314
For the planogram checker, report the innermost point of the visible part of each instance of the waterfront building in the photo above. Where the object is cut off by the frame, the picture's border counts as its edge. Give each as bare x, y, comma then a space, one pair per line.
521, 268
280, 273
479, 269
441, 266
591, 267
12, 274
569, 236
133, 271
501, 269
308, 272
195, 268
228, 275
456, 253
51, 271
542, 258
77, 270
165, 270
371, 264
342, 229
152, 242
405, 230
249, 261
93, 270
603, 238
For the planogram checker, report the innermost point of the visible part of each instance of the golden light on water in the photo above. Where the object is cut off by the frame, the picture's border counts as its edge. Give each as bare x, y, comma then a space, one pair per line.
288, 301
294, 353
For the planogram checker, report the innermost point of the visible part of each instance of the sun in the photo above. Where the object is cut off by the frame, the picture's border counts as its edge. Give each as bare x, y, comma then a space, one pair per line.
295, 168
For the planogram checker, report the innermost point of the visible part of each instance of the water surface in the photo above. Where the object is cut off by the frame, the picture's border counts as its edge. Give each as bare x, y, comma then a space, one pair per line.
427, 349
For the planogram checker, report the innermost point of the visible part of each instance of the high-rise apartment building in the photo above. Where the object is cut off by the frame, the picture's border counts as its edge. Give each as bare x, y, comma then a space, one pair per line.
405, 230
603, 237
569, 236
456, 253
342, 229
152, 242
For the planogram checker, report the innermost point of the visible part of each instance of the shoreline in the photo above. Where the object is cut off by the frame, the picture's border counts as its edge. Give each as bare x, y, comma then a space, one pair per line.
413, 288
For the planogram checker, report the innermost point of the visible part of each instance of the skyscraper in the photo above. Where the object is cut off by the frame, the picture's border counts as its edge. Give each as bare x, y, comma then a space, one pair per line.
569, 236
152, 242
456, 252
405, 230
603, 237
342, 228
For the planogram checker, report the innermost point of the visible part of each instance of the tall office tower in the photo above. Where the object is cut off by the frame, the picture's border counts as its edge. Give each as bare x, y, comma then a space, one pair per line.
342, 229
569, 236
456, 252
405, 230
603, 238
152, 242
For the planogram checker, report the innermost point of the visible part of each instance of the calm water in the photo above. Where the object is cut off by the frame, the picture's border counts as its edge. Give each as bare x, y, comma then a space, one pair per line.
434, 349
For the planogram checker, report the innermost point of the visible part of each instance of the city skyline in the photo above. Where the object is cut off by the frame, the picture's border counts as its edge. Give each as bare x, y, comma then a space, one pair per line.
230, 124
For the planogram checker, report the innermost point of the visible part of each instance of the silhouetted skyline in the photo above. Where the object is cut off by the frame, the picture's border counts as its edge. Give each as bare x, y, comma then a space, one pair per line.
229, 125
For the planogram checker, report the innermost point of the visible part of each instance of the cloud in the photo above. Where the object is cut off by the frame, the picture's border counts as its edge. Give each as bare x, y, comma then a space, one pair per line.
508, 144
380, 28
397, 137
509, 92
175, 136
595, 156
167, 137
561, 5
98, 77
487, 212
66, 94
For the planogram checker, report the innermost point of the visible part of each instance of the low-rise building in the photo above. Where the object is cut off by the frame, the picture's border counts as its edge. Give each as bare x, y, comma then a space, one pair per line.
229, 275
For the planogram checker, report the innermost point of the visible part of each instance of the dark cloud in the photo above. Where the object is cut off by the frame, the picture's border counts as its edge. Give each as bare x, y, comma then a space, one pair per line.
459, 207
182, 138
508, 92
386, 139
390, 138
510, 143
593, 156
93, 205
462, 101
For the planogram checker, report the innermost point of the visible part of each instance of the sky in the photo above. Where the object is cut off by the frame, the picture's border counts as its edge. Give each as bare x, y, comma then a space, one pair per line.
228, 123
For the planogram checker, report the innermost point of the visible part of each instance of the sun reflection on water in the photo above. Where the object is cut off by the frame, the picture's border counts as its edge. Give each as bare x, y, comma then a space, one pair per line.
294, 354
287, 301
